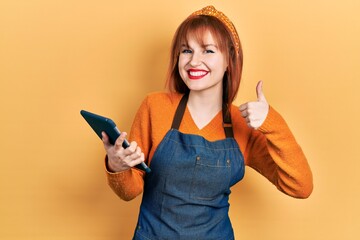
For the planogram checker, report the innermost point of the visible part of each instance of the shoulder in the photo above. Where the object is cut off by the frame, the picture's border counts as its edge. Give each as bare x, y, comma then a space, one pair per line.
164, 96
154, 119
159, 101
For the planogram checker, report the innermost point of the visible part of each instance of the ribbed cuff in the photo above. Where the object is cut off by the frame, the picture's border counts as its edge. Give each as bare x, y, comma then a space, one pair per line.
122, 174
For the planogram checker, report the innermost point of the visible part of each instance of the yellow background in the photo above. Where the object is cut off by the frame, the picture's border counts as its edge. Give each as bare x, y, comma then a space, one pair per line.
58, 57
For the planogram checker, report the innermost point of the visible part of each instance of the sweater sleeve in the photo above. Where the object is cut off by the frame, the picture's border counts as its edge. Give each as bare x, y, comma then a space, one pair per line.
273, 152
129, 184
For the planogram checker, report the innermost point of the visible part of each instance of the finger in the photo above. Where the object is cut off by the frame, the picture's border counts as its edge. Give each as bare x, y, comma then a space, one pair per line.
119, 141
136, 154
244, 113
137, 161
105, 140
131, 149
243, 107
259, 92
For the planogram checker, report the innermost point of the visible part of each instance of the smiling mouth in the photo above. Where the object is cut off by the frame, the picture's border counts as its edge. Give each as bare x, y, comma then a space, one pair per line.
197, 74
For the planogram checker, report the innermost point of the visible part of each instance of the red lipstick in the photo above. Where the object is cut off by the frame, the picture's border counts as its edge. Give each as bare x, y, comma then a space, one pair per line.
195, 74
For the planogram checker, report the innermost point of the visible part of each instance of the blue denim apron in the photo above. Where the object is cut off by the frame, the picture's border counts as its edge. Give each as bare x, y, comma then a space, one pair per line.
186, 194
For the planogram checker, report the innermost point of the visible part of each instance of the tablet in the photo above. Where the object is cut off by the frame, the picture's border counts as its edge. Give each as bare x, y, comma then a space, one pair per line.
102, 124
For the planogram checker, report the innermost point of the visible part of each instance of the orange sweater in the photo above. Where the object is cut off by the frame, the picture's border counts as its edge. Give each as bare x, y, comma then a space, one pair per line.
271, 150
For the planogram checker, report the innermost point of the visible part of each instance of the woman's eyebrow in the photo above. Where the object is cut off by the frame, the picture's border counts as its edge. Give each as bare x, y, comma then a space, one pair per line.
210, 45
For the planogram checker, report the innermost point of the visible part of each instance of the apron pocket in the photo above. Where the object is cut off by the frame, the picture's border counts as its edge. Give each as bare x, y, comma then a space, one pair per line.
211, 178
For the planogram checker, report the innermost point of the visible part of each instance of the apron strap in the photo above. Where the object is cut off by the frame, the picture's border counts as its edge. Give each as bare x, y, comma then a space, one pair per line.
180, 112
227, 125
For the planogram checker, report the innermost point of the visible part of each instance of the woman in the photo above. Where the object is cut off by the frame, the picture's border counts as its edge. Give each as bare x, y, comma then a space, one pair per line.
197, 142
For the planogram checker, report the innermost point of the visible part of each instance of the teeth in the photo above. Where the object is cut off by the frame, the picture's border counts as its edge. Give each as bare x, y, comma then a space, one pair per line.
197, 73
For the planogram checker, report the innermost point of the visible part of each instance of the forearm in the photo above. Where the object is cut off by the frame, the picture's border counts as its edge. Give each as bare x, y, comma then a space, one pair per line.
290, 171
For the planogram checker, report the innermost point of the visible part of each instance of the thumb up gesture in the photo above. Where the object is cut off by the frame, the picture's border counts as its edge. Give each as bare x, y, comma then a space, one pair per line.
255, 112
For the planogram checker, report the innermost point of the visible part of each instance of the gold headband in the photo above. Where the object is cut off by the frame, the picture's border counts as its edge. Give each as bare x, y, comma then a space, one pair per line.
211, 11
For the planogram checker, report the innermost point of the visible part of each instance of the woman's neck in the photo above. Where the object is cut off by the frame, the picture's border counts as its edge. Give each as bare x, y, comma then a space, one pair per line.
203, 107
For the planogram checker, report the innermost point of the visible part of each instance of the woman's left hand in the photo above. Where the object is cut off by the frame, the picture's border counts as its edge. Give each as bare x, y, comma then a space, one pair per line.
255, 112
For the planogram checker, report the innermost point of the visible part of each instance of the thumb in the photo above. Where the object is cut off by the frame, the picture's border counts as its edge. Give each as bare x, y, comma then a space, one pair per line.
259, 92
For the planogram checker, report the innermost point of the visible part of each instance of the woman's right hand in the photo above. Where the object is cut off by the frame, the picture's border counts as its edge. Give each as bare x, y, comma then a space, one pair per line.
119, 158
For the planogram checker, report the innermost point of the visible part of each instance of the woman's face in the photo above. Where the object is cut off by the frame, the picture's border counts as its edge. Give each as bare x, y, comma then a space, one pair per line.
202, 65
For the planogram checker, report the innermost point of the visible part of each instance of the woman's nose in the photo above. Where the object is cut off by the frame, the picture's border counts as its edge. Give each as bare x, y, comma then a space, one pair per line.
195, 59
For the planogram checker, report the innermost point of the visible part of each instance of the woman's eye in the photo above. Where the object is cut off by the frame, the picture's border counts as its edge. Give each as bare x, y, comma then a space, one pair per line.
209, 51
186, 51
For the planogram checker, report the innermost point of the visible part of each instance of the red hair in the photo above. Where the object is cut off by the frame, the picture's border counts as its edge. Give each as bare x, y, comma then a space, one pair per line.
197, 26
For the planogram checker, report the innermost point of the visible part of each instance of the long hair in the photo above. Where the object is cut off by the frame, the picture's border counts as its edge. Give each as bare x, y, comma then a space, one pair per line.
197, 26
